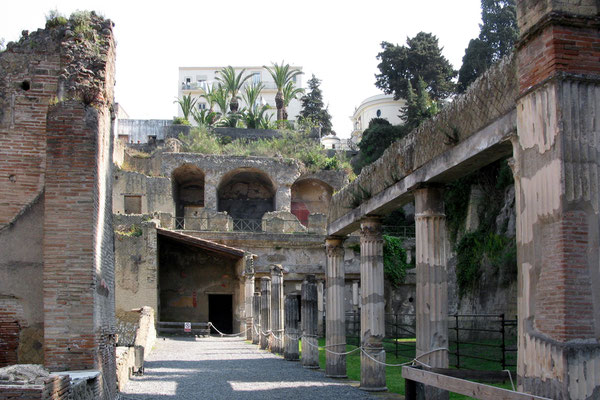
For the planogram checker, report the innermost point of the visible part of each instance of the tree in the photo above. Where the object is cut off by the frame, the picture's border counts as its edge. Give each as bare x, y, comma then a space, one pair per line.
420, 58
187, 104
376, 138
232, 83
254, 115
313, 107
497, 36
282, 75
419, 106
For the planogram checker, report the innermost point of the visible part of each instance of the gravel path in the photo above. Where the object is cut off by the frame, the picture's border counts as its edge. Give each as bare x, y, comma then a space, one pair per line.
226, 368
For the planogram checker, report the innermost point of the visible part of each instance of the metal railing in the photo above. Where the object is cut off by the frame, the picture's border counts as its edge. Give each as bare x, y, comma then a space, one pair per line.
224, 223
474, 334
402, 231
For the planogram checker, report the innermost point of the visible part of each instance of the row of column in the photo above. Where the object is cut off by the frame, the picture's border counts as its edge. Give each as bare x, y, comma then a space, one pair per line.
267, 321
432, 295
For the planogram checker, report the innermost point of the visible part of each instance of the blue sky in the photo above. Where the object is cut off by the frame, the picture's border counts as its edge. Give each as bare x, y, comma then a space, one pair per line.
337, 41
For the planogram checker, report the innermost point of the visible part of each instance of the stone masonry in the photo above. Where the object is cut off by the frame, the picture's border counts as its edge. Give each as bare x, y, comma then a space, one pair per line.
56, 94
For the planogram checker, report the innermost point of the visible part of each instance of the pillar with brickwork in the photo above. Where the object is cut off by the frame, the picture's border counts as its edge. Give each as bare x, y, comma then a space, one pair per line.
277, 309
256, 318
372, 316
310, 350
249, 292
556, 163
292, 333
432, 282
265, 312
335, 329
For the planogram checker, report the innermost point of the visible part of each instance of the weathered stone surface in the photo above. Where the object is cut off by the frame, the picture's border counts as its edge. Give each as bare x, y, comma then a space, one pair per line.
372, 317
281, 222
310, 350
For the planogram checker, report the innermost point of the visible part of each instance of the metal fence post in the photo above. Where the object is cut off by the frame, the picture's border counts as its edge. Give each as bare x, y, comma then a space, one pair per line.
457, 341
396, 333
502, 322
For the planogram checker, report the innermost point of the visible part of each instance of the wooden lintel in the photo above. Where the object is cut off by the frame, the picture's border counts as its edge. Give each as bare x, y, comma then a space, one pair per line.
464, 387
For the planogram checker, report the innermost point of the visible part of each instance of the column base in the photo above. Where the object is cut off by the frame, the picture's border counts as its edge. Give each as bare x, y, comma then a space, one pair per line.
376, 389
336, 376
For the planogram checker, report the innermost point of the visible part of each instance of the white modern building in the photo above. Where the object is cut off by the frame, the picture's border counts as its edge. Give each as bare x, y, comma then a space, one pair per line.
194, 80
378, 106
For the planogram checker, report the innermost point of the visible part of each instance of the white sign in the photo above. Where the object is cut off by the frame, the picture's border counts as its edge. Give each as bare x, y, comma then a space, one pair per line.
187, 326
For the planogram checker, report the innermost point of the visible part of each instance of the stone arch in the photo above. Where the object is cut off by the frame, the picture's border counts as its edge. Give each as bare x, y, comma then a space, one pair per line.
310, 196
188, 188
246, 194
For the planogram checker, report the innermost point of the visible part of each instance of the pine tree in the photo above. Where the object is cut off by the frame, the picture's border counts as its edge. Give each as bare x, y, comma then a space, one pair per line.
497, 36
419, 105
314, 109
420, 58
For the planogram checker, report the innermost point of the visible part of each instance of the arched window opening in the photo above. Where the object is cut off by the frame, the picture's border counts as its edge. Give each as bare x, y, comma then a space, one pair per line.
246, 195
310, 196
188, 188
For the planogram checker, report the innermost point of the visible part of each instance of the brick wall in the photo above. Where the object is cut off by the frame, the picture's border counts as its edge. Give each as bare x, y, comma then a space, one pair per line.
56, 94
53, 388
574, 49
23, 126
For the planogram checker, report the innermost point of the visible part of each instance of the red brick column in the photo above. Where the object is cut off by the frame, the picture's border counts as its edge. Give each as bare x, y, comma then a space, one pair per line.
557, 157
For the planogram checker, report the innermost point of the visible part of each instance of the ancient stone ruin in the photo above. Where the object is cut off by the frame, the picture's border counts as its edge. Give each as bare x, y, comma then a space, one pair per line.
261, 246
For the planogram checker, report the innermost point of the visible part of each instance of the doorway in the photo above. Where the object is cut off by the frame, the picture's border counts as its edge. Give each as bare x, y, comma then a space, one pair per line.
220, 312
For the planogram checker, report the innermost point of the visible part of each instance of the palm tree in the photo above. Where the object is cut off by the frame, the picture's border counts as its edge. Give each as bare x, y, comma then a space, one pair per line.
290, 92
208, 95
282, 75
232, 84
187, 104
255, 112
221, 98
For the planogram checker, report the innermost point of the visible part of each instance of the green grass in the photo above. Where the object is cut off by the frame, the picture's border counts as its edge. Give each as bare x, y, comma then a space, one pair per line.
394, 380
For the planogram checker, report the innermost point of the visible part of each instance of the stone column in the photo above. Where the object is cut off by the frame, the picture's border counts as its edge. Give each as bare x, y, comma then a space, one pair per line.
557, 193
277, 308
320, 307
256, 318
355, 295
336, 316
292, 333
432, 281
372, 316
265, 312
211, 182
283, 198
310, 350
249, 291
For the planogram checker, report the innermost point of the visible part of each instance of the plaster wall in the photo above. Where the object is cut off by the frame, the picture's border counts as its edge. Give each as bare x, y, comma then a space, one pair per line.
156, 192
136, 266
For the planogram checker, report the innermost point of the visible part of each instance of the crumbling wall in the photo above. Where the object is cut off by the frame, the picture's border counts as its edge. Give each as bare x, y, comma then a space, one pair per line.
487, 99
56, 94
136, 263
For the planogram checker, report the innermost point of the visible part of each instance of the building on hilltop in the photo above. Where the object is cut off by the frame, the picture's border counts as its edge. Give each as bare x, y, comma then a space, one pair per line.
378, 106
194, 81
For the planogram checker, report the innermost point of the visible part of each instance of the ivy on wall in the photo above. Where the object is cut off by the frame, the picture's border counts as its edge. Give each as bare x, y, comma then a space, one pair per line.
394, 259
483, 247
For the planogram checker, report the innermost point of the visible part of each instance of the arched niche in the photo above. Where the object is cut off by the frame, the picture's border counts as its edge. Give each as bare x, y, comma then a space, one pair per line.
246, 194
310, 196
188, 188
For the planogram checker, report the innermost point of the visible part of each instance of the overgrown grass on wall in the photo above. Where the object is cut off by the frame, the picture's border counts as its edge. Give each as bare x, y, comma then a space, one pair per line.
292, 144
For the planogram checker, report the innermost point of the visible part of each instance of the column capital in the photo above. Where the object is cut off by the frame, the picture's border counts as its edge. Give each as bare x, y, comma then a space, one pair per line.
277, 269
334, 246
370, 228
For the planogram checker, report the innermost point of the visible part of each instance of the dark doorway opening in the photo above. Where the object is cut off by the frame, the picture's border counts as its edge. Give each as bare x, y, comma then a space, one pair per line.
220, 312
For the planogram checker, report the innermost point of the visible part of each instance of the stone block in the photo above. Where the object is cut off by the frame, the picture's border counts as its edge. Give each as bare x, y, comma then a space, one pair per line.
317, 224
281, 222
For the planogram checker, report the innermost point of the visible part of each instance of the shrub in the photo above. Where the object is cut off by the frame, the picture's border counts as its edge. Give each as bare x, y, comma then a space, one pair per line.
54, 19
180, 121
